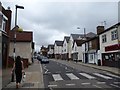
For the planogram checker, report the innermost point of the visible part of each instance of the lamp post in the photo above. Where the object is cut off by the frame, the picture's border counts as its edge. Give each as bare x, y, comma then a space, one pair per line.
16, 7
85, 44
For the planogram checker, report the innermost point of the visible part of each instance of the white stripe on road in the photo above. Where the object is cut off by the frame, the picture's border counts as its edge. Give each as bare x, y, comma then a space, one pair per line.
72, 76
71, 84
85, 83
113, 75
114, 85
103, 76
101, 82
116, 82
57, 77
52, 85
87, 76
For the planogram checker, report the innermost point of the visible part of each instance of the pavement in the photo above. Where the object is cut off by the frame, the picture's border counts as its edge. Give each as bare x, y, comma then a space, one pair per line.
34, 77
105, 68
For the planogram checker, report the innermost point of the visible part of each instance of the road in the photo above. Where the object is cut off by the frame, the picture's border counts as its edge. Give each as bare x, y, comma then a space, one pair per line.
64, 74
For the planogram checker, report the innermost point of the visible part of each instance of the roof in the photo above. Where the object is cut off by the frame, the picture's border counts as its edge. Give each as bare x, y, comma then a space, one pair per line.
59, 43
88, 35
51, 45
78, 42
116, 25
67, 38
23, 36
75, 36
91, 34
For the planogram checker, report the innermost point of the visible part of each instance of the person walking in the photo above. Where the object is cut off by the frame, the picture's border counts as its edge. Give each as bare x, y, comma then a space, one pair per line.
19, 69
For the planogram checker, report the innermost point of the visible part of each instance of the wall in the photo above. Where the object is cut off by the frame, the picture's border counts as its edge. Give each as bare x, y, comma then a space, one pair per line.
23, 49
65, 46
70, 46
109, 41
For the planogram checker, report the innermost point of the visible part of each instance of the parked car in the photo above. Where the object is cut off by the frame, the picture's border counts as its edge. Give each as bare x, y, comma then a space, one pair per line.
34, 57
44, 60
39, 57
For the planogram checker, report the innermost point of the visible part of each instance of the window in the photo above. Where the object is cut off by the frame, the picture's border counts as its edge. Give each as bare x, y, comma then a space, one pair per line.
91, 57
114, 35
64, 50
104, 39
2, 22
90, 44
75, 48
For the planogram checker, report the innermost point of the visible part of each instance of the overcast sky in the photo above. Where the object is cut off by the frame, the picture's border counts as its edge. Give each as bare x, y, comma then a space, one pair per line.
51, 20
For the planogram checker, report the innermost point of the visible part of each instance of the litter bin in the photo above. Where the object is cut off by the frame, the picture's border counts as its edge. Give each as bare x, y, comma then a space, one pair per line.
99, 62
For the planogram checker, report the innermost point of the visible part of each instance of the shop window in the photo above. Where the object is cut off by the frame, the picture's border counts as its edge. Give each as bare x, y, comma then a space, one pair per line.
106, 57
104, 38
117, 57
114, 35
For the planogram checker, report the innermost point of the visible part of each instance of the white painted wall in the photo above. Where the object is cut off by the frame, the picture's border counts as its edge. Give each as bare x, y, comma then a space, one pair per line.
65, 47
109, 41
58, 49
50, 51
70, 46
23, 49
79, 50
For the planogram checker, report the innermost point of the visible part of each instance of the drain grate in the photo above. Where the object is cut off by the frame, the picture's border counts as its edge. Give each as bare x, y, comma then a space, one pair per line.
28, 84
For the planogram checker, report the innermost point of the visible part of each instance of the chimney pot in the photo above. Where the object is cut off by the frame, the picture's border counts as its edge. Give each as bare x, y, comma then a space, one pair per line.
100, 29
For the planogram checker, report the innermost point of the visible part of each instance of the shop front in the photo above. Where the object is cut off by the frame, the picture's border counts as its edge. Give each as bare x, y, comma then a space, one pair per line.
111, 57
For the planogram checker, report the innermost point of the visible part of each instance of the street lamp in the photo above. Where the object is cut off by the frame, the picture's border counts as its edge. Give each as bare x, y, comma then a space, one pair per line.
16, 7
85, 43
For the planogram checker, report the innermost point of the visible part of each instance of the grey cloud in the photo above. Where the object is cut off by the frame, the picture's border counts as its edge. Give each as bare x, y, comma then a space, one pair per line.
53, 20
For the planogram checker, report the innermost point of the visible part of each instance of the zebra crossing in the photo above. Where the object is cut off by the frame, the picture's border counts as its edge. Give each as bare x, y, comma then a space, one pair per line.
72, 76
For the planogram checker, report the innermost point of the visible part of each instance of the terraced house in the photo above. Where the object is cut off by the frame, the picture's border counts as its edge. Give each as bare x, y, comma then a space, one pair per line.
58, 45
110, 46
65, 48
51, 51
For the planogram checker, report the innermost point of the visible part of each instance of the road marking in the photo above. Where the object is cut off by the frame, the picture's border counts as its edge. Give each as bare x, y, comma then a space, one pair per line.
97, 86
101, 82
57, 77
103, 76
116, 82
113, 75
65, 67
85, 83
46, 71
87, 76
114, 85
72, 76
71, 84
52, 85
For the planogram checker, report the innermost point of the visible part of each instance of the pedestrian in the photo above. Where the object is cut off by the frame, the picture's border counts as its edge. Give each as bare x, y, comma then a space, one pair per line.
19, 69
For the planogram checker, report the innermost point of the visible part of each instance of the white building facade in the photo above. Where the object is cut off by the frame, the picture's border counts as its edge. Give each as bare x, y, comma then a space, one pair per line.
110, 46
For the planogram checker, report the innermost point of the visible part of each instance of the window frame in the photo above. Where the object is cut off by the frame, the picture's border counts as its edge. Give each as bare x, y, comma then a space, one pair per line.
104, 38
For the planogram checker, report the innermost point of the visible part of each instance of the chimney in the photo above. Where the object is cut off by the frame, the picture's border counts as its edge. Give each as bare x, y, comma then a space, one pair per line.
100, 29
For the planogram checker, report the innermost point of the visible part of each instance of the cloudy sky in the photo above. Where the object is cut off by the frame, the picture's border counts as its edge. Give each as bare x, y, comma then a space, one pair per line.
51, 20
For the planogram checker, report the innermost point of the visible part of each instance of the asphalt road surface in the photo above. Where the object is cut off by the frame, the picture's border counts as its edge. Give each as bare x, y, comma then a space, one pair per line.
62, 74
